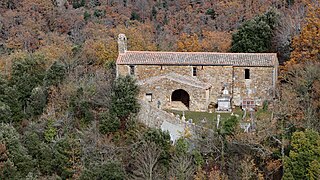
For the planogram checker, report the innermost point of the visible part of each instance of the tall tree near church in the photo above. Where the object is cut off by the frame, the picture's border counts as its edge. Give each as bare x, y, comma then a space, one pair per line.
255, 35
124, 103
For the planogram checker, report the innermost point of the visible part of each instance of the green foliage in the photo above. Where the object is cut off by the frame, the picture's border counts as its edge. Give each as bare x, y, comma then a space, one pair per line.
99, 13
161, 139
78, 3
182, 146
55, 74
304, 157
9, 104
57, 157
135, 16
198, 159
229, 125
95, 3
153, 12
86, 15
290, 2
212, 13
5, 113
124, 101
80, 107
111, 65
255, 35
109, 171
27, 74
8, 170
66, 154
265, 105
3, 89
37, 102
40, 152
17, 154
51, 132
84, 112
108, 123
314, 170
124, 97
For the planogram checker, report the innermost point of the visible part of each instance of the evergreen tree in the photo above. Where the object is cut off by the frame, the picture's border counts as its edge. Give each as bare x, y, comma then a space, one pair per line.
27, 73
40, 152
5, 113
37, 102
255, 35
55, 74
124, 101
18, 160
304, 157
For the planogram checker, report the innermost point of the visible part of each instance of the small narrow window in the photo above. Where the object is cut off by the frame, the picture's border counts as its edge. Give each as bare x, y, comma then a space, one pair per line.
161, 68
132, 70
247, 73
149, 97
194, 71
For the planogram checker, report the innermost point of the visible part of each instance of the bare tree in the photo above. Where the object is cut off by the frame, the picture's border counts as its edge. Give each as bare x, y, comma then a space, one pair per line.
146, 162
182, 167
300, 95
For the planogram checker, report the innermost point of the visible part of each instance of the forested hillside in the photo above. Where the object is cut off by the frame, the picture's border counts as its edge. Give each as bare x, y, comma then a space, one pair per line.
64, 115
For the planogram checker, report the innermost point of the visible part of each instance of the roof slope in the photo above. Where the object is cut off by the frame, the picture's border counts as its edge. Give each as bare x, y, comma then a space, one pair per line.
177, 78
197, 58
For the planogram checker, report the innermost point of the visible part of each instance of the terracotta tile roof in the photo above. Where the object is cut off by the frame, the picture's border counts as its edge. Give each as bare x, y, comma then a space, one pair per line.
191, 81
197, 58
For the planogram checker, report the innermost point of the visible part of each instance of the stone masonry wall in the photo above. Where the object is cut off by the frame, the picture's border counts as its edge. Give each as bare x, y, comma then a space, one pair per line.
218, 77
162, 90
154, 118
258, 87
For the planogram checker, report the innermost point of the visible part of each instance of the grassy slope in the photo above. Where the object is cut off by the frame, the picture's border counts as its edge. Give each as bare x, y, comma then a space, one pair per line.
211, 118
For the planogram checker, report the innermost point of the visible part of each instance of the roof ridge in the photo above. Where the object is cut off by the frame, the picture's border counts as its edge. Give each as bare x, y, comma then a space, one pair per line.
198, 52
198, 58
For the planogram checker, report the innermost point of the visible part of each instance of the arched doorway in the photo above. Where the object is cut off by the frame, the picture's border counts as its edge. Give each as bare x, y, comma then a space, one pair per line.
181, 95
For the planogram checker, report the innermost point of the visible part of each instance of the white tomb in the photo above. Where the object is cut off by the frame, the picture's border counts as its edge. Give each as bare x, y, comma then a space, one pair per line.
224, 101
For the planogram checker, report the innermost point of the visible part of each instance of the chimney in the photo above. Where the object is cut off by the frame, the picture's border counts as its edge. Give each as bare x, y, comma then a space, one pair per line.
122, 43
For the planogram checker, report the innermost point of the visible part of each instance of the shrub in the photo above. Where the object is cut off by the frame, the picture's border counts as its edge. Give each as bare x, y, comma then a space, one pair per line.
111, 170
108, 123
229, 126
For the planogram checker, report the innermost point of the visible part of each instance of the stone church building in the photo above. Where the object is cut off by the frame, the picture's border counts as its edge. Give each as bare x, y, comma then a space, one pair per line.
196, 80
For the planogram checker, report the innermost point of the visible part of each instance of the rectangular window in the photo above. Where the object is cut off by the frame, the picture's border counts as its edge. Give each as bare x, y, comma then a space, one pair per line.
247, 73
149, 97
132, 70
194, 71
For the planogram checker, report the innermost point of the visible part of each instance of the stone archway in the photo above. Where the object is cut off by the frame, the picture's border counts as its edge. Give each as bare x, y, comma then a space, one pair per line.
181, 95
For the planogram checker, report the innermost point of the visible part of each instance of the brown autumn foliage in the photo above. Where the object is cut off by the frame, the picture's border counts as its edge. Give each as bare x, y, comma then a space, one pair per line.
188, 43
307, 45
150, 25
87, 35
216, 41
